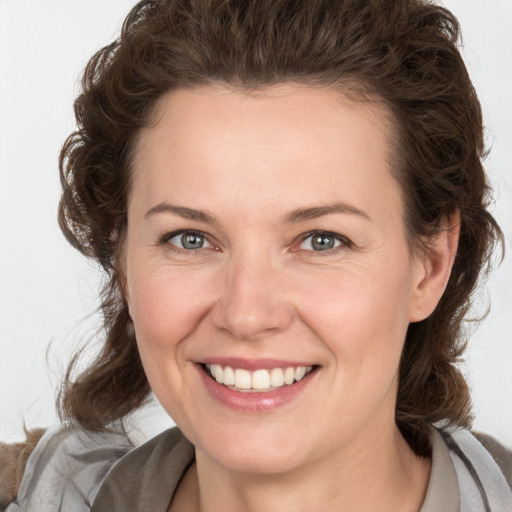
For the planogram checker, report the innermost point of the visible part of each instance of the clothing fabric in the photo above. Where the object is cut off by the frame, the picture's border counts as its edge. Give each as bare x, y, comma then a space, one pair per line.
75, 471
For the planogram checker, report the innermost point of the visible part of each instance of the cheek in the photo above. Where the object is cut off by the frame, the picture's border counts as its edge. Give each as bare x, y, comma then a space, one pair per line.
362, 317
166, 306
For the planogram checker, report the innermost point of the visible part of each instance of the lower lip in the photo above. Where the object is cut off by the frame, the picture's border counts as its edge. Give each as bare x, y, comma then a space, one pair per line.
254, 401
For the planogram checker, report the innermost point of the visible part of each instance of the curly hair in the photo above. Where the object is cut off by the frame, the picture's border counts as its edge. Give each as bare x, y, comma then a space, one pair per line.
404, 52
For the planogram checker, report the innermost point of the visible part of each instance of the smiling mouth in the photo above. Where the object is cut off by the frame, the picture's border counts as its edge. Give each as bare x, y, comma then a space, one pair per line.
239, 379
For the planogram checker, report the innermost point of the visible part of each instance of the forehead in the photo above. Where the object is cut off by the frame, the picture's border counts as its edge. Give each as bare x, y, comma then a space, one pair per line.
292, 138
299, 104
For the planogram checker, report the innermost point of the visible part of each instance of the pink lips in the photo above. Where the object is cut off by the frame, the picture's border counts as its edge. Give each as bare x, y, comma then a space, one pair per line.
261, 401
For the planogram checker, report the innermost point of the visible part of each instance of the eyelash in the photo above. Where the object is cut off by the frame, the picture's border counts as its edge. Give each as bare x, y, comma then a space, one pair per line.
344, 243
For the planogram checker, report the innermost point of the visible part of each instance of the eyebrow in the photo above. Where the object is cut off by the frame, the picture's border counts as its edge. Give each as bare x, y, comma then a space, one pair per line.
305, 214
295, 216
182, 211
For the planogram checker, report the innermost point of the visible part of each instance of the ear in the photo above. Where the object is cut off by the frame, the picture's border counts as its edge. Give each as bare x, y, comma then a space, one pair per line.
433, 268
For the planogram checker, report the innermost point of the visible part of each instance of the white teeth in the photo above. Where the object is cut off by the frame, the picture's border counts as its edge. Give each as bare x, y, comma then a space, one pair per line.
229, 376
276, 378
300, 372
289, 376
242, 379
217, 373
259, 379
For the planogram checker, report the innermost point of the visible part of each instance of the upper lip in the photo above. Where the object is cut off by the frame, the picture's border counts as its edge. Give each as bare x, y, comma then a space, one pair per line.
254, 364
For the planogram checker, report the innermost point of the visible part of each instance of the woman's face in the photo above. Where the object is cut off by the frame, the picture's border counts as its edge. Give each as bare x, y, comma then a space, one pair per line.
266, 239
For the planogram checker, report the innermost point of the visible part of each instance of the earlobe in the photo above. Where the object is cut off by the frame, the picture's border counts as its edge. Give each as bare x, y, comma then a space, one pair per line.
434, 267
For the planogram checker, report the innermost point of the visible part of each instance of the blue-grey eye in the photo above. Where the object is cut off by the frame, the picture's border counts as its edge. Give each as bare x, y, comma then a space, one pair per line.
320, 242
189, 241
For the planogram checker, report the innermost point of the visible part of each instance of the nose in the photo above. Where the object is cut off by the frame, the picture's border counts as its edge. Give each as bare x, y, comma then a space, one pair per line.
253, 300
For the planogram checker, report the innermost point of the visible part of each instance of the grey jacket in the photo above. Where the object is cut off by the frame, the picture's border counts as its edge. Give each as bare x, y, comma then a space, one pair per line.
74, 471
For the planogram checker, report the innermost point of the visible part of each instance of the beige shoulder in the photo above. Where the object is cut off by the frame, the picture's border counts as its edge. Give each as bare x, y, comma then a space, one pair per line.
501, 454
13, 459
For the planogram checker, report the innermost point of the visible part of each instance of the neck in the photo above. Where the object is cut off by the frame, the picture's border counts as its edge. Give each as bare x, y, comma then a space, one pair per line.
373, 474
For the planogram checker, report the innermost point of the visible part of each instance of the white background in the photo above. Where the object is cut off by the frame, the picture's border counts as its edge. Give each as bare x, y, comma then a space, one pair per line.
48, 292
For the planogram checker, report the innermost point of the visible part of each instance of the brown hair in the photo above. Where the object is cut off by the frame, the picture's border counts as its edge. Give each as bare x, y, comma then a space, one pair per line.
401, 51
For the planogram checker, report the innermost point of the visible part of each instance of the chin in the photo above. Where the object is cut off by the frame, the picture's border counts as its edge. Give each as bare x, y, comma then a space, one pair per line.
258, 452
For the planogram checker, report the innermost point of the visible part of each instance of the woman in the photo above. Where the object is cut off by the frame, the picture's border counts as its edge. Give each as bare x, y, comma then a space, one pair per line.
289, 202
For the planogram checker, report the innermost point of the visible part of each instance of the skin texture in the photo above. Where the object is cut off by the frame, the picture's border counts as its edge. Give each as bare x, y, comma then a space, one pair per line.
257, 289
